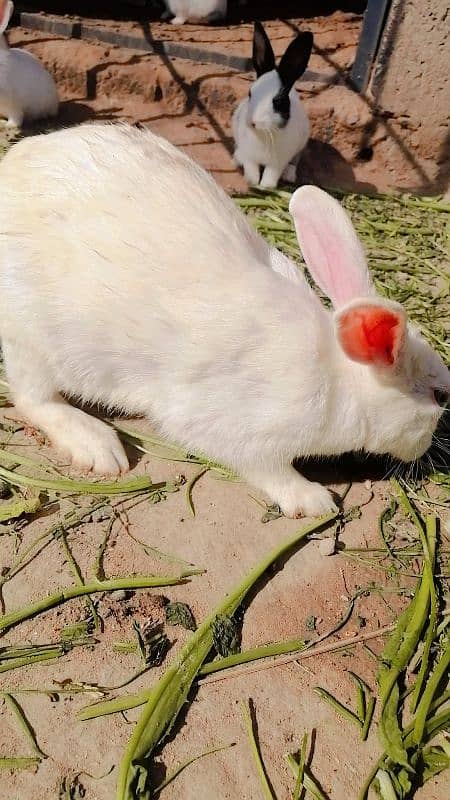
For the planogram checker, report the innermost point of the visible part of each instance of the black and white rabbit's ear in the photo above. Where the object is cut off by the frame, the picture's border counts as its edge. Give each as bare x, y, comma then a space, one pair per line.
6, 10
295, 59
263, 55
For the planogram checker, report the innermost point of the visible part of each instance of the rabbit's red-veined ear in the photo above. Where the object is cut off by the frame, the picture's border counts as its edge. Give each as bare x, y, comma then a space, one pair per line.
331, 249
372, 331
6, 10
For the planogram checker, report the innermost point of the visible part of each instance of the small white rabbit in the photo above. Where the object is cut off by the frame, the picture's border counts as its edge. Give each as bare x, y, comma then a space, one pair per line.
196, 10
27, 90
129, 278
271, 126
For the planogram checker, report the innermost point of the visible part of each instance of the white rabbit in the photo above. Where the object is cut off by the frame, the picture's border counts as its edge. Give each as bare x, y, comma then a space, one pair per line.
270, 126
129, 278
196, 10
27, 90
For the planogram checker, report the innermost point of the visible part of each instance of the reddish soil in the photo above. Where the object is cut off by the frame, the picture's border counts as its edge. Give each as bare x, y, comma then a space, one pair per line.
227, 538
192, 102
189, 90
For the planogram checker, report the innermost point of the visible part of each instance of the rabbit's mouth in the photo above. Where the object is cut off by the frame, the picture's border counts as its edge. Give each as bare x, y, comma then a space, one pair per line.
283, 121
410, 452
269, 127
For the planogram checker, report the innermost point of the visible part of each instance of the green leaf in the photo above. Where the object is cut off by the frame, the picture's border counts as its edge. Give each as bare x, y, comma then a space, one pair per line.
260, 768
18, 762
180, 614
226, 635
12, 509
25, 725
301, 768
340, 709
309, 782
171, 777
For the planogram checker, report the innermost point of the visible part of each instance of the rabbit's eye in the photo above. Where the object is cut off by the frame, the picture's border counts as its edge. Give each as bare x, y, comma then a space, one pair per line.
441, 397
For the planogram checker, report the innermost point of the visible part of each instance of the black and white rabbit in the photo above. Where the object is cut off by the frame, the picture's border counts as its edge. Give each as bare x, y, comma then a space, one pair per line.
129, 278
270, 126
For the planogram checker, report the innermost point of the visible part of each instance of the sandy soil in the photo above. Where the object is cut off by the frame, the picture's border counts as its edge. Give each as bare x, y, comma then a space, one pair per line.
191, 102
227, 538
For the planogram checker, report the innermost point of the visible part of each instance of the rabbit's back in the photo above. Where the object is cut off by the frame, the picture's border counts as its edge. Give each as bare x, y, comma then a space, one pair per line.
25, 81
136, 276
128, 207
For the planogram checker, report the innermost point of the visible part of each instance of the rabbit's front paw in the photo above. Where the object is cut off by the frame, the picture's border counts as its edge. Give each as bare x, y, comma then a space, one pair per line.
270, 178
251, 172
310, 500
14, 121
296, 496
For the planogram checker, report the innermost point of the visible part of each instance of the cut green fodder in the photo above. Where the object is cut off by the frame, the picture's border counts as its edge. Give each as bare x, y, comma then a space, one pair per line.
14, 657
43, 479
68, 486
401, 550
275, 650
413, 669
19, 505
152, 642
365, 705
160, 448
185, 764
22, 762
304, 780
419, 634
304, 774
170, 692
180, 614
255, 749
91, 587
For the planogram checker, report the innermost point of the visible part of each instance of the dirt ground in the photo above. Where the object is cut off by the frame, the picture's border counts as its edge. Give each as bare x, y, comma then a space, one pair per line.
118, 61
191, 101
226, 538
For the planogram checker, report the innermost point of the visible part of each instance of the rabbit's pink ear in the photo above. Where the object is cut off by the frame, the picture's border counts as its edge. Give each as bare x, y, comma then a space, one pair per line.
6, 10
331, 249
372, 332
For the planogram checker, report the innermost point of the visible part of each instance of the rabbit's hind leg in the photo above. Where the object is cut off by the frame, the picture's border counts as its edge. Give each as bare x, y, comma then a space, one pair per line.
90, 443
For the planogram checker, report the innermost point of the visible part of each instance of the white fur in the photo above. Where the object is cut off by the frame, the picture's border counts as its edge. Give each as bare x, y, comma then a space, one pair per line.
129, 278
27, 90
196, 10
260, 141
